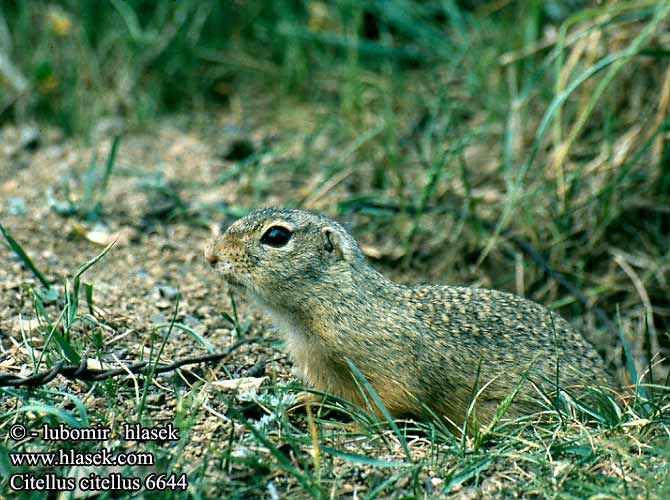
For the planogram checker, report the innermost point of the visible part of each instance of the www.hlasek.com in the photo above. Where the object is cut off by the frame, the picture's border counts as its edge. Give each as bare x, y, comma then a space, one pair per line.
68, 456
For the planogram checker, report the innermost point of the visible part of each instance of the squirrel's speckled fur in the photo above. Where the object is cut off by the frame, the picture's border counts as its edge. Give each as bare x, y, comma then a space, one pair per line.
418, 347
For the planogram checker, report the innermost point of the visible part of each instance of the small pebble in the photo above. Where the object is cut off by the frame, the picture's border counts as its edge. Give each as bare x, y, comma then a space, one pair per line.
167, 291
29, 138
16, 206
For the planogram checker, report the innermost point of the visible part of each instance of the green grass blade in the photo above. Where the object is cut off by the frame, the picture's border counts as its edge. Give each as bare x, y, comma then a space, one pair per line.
191, 332
109, 166
382, 408
64, 416
14, 245
77, 277
467, 474
364, 459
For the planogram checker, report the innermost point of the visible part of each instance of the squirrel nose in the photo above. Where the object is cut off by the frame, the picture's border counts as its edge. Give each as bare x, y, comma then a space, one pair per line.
211, 257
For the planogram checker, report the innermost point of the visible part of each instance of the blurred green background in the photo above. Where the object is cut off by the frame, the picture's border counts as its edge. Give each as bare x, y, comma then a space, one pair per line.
70, 62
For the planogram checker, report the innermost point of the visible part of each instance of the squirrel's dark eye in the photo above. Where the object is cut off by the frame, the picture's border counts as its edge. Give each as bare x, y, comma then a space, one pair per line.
276, 236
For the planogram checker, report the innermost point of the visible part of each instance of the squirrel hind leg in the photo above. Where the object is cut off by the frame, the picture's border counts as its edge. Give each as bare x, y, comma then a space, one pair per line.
395, 396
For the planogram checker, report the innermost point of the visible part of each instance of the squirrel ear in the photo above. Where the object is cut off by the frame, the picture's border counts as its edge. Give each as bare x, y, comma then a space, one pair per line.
334, 244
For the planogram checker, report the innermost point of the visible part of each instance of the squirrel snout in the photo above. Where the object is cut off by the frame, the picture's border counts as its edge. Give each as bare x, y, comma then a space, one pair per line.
211, 257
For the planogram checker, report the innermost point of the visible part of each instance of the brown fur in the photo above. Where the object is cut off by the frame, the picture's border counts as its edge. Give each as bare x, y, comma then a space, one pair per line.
418, 346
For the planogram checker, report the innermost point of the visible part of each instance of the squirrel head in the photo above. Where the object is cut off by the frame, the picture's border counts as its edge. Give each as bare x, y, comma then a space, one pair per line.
275, 252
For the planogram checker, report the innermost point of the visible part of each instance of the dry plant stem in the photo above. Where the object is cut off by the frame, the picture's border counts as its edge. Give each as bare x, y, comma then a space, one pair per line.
644, 297
81, 372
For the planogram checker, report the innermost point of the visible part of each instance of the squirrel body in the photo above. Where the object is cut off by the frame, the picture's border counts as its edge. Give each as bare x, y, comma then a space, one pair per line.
426, 347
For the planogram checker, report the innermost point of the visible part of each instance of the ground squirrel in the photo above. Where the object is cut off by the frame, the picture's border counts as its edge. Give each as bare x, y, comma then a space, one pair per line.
419, 347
